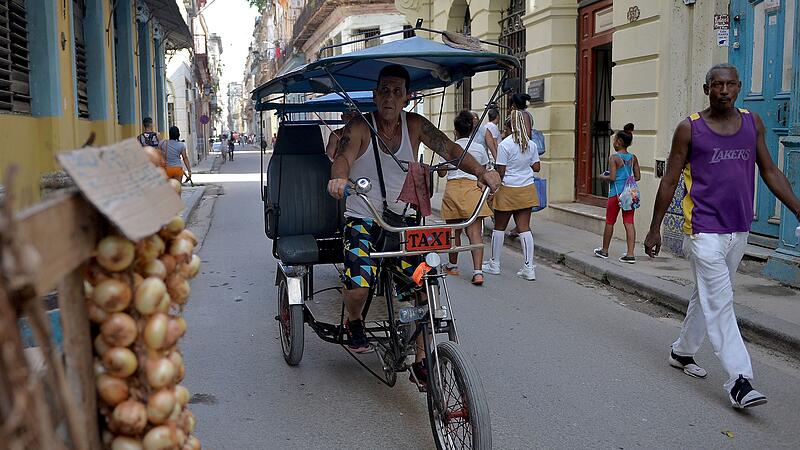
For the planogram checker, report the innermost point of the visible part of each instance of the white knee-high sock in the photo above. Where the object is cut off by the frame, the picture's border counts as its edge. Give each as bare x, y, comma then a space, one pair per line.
497, 244
527, 247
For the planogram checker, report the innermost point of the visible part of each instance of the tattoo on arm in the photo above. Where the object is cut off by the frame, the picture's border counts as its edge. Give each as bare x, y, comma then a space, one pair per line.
344, 141
435, 139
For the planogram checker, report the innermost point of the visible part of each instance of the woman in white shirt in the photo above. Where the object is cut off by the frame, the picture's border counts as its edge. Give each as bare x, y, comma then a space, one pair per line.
517, 160
461, 196
493, 132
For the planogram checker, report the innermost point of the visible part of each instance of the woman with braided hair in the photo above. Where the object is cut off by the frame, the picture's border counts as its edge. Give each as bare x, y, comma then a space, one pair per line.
517, 160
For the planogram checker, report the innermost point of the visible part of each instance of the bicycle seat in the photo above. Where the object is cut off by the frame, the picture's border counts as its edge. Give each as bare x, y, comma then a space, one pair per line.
299, 249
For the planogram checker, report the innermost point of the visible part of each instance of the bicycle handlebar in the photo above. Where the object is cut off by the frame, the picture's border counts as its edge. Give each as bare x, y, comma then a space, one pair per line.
363, 185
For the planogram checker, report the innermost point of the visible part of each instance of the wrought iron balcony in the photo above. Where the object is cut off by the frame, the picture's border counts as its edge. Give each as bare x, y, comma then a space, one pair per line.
316, 11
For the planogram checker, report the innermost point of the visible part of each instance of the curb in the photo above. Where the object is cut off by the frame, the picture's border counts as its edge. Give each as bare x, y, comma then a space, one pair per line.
771, 332
192, 201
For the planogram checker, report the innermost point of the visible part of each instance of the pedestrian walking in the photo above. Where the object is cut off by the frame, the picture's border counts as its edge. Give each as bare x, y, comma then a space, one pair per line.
480, 136
717, 150
621, 166
517, 160
231, 146
148, 138
461, 196
492, 134
519, 102
174, 153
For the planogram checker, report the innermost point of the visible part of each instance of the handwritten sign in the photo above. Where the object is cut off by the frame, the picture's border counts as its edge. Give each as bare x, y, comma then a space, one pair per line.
122, 183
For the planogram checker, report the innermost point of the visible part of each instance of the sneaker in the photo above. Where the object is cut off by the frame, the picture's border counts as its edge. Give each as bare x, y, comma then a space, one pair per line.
527, 273
687, 364
600, 253
452, 270
477, 279
627, 259
744, 396
358, 338
419, 374
491, 266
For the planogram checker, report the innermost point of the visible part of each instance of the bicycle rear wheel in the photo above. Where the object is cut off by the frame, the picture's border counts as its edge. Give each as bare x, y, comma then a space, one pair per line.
459, 414
291, 326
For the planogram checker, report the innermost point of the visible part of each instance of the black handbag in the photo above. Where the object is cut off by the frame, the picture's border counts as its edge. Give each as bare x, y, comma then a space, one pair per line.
388, 241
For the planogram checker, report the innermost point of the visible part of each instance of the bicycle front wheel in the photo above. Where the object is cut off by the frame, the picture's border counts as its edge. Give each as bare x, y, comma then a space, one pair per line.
457, 406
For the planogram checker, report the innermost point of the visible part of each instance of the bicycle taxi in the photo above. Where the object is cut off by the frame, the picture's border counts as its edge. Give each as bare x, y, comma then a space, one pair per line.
305, 225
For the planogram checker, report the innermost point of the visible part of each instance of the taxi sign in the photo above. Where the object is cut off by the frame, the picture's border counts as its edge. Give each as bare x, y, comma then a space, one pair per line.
429, 239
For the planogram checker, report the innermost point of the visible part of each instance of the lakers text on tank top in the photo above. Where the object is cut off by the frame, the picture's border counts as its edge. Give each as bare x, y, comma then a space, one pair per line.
393, 175
720, 178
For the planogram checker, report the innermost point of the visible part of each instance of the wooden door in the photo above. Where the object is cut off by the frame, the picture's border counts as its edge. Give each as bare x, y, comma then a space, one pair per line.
595, 31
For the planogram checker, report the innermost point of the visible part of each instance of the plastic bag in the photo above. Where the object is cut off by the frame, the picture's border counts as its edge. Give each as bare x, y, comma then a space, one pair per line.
541, 192
629, 197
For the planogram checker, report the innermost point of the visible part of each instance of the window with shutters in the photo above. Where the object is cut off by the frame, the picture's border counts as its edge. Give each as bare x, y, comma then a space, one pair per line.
14, 58
81, 70
365, 33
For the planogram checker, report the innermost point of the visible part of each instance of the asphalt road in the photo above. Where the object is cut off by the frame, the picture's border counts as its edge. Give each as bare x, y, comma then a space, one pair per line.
566, 363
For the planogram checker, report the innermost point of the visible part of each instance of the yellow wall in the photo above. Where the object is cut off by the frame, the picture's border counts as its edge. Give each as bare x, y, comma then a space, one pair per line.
31, 143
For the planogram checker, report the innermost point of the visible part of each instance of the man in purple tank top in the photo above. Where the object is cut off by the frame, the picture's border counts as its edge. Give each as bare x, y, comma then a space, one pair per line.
717, 150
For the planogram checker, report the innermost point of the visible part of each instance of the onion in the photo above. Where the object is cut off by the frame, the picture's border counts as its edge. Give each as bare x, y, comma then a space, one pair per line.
115, 253
94, 274
169, 262
99, 368
155, 331
137, 280
187, 421
100, 345
126, 443
160, 438
129, 417
163, 305
182, 395
190, 269
188, 235
172, 228
175, 184
154, 155
181, 324
160, 372
119, 330
148, 295
120, 362
192, 443
87, 289
95, 313
154, 268
160, 406
173, 333
112, 390
178, 288
112, 295
181, 249
176, 413
150, 248
177, 360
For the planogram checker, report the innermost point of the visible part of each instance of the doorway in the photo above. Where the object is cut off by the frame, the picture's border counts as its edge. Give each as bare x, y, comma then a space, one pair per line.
595, 30
761, 47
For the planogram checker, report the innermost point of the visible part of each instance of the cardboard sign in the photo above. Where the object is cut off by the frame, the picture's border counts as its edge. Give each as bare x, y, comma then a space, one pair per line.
122, 183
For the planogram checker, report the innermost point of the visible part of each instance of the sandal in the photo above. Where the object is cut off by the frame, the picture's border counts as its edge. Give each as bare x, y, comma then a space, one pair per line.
477, 279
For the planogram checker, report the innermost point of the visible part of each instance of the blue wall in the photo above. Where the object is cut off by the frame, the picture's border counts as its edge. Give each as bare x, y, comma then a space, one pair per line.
161, 119
145, 70
94, 27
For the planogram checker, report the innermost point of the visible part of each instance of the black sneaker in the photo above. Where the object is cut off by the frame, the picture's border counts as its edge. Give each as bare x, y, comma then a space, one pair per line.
744, 396
419, 374
358, 338
687, 364
600, 253
627, 259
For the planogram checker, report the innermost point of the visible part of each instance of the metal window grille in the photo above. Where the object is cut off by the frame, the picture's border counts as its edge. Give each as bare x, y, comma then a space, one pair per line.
365, 33
463, 90
14, 57
81, 71
512, 34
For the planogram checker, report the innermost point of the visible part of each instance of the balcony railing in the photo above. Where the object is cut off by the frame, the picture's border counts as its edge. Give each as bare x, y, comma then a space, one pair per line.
315, 11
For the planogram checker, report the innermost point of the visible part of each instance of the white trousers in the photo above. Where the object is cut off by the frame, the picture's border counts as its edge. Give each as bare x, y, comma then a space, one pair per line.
714, 259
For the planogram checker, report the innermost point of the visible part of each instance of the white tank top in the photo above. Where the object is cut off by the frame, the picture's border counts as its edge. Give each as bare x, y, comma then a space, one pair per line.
393, 176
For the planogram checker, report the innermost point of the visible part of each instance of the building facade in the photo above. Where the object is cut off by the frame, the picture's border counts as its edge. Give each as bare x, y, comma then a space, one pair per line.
79, 68
599, 64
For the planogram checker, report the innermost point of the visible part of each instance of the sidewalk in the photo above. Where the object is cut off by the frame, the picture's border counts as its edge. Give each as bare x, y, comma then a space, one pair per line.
767, 311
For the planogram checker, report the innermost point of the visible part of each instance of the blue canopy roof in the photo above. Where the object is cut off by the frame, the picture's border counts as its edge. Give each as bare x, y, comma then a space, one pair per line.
327, 103
430, 64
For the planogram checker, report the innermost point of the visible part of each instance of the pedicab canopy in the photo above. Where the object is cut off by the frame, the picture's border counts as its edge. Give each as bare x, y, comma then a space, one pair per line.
333, 102
430, 64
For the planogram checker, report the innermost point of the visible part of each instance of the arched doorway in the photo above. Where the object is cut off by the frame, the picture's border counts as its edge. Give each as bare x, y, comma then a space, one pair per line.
512, 34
